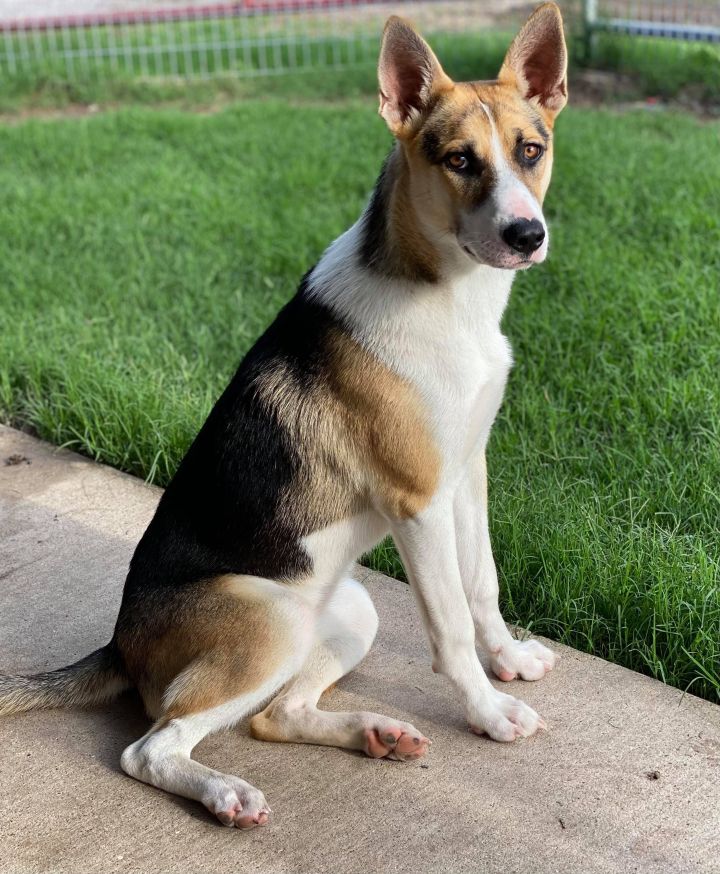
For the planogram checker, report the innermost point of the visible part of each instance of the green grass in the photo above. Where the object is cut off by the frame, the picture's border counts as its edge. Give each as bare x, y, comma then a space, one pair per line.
142, 252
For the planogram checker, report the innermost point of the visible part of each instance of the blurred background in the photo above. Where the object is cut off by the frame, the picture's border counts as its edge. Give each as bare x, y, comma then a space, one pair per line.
169, 171
656, 47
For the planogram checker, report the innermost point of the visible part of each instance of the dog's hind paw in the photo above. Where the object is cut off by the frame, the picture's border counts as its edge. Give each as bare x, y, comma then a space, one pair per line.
237, 804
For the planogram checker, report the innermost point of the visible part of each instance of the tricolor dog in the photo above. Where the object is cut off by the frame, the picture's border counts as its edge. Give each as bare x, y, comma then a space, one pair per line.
363, 410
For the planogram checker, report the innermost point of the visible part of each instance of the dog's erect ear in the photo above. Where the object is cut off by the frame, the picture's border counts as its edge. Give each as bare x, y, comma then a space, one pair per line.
536, 62
408, 74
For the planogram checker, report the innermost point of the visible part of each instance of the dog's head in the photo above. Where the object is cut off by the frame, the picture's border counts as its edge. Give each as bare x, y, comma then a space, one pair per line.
479, 153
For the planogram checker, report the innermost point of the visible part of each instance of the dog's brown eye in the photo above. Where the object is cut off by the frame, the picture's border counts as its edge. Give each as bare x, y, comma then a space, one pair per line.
531, 151
457, 162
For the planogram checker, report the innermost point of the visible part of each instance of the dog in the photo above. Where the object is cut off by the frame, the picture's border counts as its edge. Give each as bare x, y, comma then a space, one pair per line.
363, 410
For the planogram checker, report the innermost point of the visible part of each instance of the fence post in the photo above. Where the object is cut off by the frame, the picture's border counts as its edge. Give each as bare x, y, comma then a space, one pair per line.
589, 22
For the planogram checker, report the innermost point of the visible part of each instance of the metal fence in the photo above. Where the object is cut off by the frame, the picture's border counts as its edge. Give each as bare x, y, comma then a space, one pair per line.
696, 21
152, 39
246, 38
665, 48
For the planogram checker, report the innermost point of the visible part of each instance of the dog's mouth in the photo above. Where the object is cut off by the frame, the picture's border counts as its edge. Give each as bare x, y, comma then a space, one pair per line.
503, 258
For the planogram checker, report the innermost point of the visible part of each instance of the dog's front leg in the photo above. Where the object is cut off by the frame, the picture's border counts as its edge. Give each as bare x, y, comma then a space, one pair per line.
427, 545
509, 658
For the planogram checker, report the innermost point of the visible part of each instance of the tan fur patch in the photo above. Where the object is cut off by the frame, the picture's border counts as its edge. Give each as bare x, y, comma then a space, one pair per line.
361, 434
216, 645
263, 727
409, 252
387, 425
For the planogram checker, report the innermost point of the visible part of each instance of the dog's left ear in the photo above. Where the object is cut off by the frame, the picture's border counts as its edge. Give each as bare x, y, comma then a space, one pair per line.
536, 62
408, 75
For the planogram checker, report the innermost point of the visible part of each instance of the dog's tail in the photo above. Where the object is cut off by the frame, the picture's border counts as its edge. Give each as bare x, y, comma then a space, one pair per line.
98, 677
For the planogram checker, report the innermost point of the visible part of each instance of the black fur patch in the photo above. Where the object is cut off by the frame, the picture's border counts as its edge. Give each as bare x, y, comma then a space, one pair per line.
541, 129
219, 514
373, 250
432, 146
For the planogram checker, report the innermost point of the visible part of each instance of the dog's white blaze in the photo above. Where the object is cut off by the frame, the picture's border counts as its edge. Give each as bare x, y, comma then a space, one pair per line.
513, 199
481, 228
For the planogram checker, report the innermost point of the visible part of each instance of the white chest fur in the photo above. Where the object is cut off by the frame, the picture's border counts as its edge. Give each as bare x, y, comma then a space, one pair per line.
448, 344
444, 339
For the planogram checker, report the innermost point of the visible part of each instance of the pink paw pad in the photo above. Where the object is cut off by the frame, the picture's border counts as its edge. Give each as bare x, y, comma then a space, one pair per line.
233, 817
252, 820
395, 743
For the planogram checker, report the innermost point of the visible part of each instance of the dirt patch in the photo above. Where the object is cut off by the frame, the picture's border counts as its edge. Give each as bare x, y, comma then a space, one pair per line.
618, 92
72, 110
591, 89
15, 459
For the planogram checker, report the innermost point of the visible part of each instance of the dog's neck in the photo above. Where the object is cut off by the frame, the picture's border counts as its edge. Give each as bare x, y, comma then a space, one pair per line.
393, 241
392, 264
397, 241
381, 308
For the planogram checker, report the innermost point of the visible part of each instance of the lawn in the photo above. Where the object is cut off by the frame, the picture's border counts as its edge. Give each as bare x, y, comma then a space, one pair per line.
143, 251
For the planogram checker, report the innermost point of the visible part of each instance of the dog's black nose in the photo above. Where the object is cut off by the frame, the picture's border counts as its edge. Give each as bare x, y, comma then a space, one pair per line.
524, 235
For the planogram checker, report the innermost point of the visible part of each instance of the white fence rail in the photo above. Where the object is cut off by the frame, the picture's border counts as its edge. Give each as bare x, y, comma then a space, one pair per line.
697, 21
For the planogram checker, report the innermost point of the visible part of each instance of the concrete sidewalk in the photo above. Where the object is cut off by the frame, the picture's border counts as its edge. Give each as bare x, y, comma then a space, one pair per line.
627, 778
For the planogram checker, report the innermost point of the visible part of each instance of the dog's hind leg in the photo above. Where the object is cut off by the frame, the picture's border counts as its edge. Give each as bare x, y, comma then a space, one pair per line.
344, 634
162, 758
258, 638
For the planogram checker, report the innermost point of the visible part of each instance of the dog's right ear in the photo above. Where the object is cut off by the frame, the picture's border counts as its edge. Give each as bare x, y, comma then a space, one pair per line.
408, 74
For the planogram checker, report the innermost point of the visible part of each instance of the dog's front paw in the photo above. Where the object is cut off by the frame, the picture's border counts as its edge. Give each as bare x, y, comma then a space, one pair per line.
505, 718
527, 659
